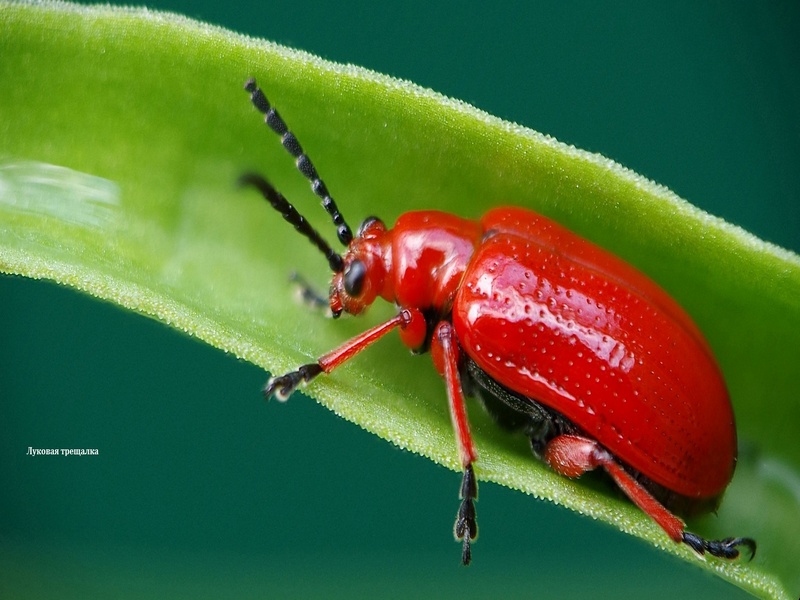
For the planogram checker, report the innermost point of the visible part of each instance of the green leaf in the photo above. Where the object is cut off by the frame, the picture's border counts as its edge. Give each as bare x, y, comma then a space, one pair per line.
123, 132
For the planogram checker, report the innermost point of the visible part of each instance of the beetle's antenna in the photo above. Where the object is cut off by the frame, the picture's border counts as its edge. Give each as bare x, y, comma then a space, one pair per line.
290, 214
303, 163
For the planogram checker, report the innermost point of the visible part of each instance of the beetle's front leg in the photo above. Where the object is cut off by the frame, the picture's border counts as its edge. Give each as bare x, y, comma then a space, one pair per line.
308, 295
445, 351
282, 386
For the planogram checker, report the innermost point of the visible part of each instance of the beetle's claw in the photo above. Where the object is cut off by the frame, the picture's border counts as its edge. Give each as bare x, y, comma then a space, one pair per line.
727, 548
281, 387
731, 545
466, 528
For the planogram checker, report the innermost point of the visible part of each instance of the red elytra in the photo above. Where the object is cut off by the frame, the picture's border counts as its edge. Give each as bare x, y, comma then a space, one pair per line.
558, 338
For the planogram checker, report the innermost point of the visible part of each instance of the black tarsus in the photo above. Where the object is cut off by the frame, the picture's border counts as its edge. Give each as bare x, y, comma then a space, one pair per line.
466, 526
727, 548
303, 163
282, 386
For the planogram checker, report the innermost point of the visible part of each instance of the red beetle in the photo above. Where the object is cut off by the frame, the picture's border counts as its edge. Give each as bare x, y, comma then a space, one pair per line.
558, 338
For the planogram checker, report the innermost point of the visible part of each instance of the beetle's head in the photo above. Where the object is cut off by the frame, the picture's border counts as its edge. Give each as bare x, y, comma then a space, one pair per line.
358, 274
365, 265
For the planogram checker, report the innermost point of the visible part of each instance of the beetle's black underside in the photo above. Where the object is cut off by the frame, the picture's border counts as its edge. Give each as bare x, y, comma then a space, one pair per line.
541, 424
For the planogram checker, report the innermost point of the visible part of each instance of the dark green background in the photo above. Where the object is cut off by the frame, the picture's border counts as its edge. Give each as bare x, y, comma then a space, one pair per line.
203, 490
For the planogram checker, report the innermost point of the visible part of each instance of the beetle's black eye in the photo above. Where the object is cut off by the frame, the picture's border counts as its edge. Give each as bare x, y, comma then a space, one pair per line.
354, 274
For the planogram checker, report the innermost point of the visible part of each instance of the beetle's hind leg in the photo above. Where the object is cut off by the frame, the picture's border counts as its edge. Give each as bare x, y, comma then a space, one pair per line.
573, 455
727, 548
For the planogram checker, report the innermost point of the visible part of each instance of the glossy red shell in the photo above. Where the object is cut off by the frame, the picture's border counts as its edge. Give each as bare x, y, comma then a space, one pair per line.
557, 319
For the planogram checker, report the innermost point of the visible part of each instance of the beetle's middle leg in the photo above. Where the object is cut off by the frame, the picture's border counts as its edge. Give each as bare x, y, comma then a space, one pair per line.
445, 353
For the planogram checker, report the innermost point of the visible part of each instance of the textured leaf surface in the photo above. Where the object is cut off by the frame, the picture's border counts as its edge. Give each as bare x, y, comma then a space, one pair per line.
123, 135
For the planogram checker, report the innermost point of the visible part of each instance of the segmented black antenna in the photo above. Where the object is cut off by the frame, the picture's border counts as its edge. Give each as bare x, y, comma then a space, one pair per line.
303, 163
290, 214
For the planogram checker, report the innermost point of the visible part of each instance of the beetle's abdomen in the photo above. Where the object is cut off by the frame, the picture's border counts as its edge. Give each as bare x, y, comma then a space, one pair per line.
588, 336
